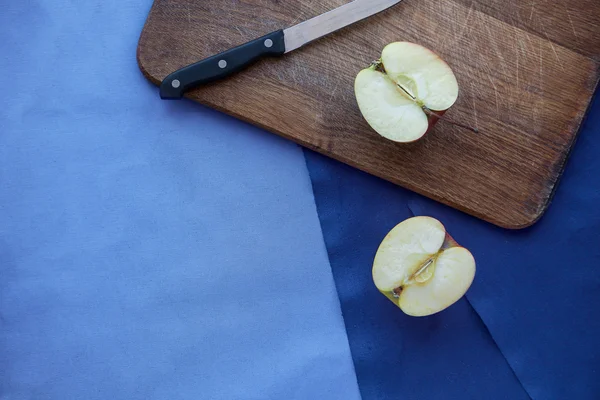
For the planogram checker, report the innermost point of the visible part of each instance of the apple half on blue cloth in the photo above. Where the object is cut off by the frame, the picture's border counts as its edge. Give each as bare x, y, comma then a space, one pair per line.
421, 268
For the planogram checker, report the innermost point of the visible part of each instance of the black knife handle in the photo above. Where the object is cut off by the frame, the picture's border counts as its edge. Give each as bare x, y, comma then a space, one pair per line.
221, 65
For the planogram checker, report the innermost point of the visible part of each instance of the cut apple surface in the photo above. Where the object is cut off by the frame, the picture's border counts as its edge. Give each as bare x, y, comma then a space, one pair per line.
389, 112
420, 268
398, 94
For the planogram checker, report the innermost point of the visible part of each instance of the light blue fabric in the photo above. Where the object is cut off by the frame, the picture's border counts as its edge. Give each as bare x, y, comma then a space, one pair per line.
149, 249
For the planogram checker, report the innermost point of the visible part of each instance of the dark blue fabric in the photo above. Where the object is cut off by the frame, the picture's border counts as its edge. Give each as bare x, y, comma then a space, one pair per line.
537, 291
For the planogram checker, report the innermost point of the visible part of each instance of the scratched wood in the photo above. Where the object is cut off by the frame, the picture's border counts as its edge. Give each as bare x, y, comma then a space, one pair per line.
527, 73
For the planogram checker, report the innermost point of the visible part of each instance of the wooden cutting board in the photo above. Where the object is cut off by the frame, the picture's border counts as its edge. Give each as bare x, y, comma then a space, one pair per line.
527, 73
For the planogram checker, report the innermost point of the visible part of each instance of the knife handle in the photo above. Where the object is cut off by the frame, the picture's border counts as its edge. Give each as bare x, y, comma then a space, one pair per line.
221, 65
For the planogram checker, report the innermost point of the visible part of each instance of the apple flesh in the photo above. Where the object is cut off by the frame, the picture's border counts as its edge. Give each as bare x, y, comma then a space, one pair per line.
421, 269
402, 95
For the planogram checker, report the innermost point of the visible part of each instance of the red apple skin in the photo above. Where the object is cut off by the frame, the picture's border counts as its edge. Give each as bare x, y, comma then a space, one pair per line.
432, 118
449, 242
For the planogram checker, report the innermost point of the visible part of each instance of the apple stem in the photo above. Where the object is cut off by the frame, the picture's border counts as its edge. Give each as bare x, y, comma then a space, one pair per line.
377, 65
438, 116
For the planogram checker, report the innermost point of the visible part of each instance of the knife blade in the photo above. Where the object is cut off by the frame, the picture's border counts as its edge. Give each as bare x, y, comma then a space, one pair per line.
277, 43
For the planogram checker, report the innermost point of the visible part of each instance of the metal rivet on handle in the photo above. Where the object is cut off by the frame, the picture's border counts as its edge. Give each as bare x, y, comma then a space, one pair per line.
175, 83
222, 64
268, 43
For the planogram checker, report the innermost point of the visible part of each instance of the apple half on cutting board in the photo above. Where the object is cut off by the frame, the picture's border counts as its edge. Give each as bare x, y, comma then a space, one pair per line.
421, 268
405, 92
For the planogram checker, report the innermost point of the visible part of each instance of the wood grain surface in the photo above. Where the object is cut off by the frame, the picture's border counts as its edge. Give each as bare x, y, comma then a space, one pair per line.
527, 73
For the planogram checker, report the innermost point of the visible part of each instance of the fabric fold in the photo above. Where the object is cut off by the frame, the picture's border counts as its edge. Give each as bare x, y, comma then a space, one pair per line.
445, 356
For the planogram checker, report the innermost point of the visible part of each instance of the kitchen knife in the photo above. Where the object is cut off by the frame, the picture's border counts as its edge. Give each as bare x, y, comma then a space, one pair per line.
276, 43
